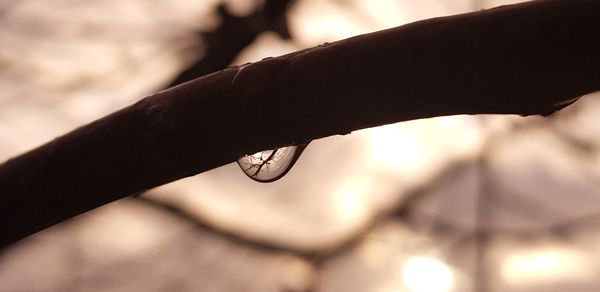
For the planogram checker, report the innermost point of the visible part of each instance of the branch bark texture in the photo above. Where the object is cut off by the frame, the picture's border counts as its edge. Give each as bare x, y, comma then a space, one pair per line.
531, 58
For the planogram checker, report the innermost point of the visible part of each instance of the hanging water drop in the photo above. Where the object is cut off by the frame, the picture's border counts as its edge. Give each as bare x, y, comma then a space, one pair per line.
270, 165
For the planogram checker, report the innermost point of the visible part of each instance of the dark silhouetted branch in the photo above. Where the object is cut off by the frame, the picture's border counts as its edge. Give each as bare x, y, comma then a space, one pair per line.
531, 58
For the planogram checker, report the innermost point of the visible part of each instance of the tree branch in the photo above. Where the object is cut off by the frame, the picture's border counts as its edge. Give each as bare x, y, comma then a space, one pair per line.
530, 58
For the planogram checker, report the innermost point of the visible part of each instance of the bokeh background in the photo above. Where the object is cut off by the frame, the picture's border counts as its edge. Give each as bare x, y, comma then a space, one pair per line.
461, 203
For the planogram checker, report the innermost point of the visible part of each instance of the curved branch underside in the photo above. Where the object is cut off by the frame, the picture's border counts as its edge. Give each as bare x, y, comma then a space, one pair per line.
531, 58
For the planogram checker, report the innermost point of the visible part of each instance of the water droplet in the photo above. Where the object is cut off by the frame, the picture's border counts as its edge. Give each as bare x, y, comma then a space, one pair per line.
271, 165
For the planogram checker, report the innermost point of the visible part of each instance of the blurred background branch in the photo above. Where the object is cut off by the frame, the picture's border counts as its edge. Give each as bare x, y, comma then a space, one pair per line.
234, 34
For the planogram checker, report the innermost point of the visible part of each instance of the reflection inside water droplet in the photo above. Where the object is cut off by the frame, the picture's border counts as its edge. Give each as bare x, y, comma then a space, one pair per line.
270, 165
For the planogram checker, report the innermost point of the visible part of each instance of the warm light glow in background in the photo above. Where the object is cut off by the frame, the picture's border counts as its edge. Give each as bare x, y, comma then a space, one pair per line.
423, 274
550, 264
